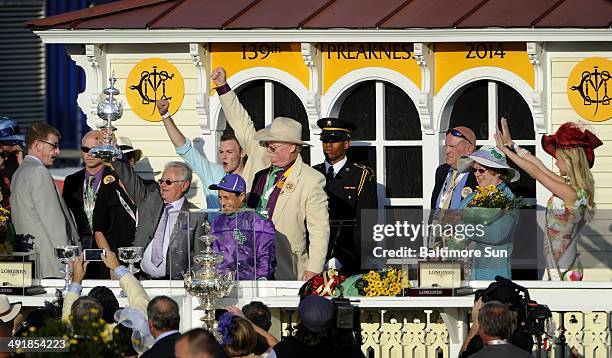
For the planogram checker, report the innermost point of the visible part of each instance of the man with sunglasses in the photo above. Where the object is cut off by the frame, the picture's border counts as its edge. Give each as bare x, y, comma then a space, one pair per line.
40, 214
166, 253
81, 188
450, 186
287, 191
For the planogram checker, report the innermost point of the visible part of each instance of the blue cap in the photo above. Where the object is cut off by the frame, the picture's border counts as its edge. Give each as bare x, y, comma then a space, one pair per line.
316, 312
9, 131
231, 182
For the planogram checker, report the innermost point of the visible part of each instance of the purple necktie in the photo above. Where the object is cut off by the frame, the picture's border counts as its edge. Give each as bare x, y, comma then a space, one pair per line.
157, 252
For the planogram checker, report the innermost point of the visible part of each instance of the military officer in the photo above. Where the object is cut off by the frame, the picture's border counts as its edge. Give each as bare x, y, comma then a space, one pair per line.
350, 188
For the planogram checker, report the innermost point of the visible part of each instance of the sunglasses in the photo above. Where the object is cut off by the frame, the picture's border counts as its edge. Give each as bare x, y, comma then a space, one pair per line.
480, 170
4, 155
54, 145
85, 149
167, 181
458, 134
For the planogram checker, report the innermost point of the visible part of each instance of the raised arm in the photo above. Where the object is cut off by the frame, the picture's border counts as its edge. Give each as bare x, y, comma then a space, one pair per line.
551, 181
237, 116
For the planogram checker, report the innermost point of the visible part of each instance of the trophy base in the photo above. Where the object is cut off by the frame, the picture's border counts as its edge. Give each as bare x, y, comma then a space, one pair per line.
105, 152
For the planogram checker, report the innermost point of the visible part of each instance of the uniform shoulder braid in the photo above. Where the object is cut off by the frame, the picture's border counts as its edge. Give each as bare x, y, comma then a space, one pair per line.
367, 175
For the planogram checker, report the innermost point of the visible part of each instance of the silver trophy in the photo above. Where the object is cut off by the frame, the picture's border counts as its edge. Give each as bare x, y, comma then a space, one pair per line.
208, 283
110, 110
131, 255
67, 254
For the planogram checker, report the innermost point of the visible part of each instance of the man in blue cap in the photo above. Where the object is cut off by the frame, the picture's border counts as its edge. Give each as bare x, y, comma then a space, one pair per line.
350, 187
12, 143
244, 238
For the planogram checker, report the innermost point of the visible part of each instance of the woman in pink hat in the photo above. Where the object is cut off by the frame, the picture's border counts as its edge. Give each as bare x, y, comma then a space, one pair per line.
572, 202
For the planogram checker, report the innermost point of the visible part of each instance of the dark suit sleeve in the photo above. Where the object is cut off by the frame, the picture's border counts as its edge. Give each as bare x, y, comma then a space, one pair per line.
437, 185
134, 185
368, 198
100, 220
73, 197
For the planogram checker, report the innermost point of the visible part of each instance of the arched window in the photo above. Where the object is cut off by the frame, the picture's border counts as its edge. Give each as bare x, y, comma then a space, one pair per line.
265, 100
481, 104
388, 139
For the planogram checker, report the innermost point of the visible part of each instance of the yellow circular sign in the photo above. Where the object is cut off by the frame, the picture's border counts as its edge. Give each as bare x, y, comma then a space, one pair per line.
151, 80
589, 88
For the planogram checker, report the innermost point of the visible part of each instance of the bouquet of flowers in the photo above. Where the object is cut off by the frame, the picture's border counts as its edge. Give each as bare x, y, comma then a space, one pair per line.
93, 338
488, 204
388, 282
323, 284
7, 232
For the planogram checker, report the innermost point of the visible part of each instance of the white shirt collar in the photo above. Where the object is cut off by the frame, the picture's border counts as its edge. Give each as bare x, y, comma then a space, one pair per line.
336, 166
177, 205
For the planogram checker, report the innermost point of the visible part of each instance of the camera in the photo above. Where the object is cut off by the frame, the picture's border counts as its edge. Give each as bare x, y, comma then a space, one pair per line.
93, 254
531, 315
347, 317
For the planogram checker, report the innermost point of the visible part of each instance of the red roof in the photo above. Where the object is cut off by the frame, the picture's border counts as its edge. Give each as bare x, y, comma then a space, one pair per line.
287, 14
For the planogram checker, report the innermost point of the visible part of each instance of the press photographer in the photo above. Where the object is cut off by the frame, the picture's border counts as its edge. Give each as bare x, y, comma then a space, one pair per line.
527, 322
319, 333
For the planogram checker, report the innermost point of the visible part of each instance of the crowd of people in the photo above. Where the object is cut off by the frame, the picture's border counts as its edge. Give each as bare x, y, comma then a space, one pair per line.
302, 219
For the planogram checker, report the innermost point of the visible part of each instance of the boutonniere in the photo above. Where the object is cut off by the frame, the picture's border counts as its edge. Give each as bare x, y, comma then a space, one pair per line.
466, 191
109, 179
289, 187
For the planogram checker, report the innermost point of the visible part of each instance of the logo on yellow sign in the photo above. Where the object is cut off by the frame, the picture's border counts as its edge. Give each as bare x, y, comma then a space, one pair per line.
151, 80
590, 88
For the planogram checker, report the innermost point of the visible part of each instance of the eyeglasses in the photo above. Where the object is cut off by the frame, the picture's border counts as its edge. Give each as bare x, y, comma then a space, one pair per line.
85, 149
480, 170
167, 181
272, 149
54, 145
458, 134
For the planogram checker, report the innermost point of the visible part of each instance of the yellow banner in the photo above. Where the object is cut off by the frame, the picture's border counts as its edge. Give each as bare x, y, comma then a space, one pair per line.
589, 88
151, 80
454, 58
236, 57
342, 58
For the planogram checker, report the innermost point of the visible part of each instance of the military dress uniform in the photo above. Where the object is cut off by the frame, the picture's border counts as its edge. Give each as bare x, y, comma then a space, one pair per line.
350, 189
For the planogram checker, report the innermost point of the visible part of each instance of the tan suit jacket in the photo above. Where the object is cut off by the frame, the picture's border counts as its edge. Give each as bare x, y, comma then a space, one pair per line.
300, 216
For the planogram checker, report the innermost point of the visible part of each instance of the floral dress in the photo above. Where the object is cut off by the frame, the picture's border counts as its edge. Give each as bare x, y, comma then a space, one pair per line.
563, 225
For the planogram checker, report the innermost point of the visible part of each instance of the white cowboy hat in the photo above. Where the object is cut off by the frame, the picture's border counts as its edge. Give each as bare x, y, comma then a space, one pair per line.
7, 311
282, 129
125, 144
488, 156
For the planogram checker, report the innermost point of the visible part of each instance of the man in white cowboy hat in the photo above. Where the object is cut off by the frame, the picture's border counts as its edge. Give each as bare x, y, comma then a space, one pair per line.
131, 154
288, 191
8, 311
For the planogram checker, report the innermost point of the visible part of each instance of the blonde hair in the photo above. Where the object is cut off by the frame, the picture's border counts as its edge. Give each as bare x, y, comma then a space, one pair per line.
579, 174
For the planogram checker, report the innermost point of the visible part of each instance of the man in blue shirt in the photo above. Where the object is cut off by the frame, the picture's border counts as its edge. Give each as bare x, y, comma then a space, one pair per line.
231, 154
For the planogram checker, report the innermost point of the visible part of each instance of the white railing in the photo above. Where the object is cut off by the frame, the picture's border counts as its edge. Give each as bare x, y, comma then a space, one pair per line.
407, 326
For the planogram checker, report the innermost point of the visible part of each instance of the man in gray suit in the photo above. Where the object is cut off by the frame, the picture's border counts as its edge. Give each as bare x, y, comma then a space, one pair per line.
167, 250
40, 215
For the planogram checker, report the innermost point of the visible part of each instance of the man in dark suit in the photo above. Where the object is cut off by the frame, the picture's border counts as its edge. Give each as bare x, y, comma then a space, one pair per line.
494, 327
160, 223
450, 185
350, 187
81, 188
163, 319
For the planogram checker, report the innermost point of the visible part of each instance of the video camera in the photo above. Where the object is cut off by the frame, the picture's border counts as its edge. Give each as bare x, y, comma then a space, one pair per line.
347, 316
530, 314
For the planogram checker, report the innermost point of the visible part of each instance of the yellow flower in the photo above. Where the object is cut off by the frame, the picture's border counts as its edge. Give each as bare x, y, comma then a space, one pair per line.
73, 341
32, 329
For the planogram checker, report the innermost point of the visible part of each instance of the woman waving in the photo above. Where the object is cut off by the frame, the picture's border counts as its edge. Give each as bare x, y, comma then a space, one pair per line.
572, 202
